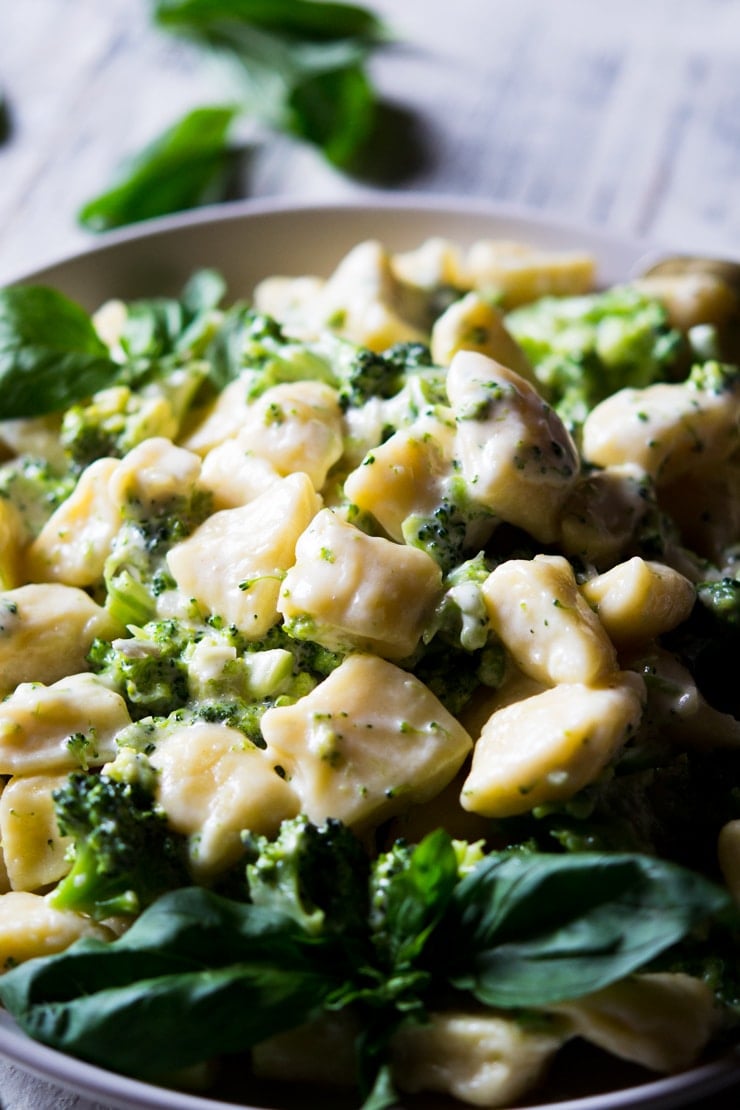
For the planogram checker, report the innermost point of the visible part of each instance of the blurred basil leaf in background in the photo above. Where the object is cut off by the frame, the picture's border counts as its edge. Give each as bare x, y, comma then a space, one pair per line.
187, 165
299, 64
6, 123
297, 67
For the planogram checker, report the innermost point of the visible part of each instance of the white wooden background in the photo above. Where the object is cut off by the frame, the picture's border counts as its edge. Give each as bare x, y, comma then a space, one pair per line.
619, 113
623, 113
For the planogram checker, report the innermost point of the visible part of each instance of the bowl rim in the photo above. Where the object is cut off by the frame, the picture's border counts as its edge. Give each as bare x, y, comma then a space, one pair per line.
444, 204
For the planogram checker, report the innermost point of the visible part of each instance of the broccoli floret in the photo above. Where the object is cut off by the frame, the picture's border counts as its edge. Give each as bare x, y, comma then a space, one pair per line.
160, 345
207, 672
384, 869
148, 668
236, 685
115, 420
443, 534
374, 374
123, 854
714, 377
309, 657
253, 347
454, 674
585, 348
35, 488
722, 600
461, 618
135, 573
410, 888
368, 374
458, 653
709, 642
410, 357
236, 714
316, 874
165, 523
111, 423
449, 531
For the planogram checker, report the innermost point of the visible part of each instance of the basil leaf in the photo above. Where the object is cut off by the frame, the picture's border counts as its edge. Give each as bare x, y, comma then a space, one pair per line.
6, 122
174, 1021
160, 326
417, 897
50, 353
196, 975
152, 327
528, 930
310, 19
383, 1094
187, 165
299, 65
335, 111
203, 292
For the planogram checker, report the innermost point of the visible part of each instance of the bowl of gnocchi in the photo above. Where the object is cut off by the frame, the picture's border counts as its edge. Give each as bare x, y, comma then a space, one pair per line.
369, 618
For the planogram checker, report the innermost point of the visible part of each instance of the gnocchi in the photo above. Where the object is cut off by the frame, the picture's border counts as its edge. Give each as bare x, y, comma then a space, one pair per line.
398, 558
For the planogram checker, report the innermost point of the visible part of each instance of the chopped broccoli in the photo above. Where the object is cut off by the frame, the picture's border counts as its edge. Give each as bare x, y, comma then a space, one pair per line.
244, 716
451, 530
206, 672
35, 488
369, 374
410, 889
148, 668
714, 377
585, 348
316, 874
115, 420
373, 374
458, 653
442, 534
124, 854
384, 870
135, 572
253, 346
111, 423
161, 342
309, 656
722, 599
454, 674
709, 642
461, 616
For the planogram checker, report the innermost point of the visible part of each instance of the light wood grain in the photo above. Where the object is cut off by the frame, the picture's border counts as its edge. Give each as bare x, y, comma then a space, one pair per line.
625, 116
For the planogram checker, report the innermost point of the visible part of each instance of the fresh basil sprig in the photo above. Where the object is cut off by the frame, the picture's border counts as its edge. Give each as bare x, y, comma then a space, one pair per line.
187, 165
6, 124
529, 930
300, 64
52, 357
50, 353
297, 66
198, 974
160, 326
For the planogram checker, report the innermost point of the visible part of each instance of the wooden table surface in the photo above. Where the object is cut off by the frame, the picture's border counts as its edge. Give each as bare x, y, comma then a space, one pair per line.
624, 115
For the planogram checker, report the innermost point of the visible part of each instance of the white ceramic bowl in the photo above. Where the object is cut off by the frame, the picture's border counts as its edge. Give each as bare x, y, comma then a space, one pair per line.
246, 242
250, 240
